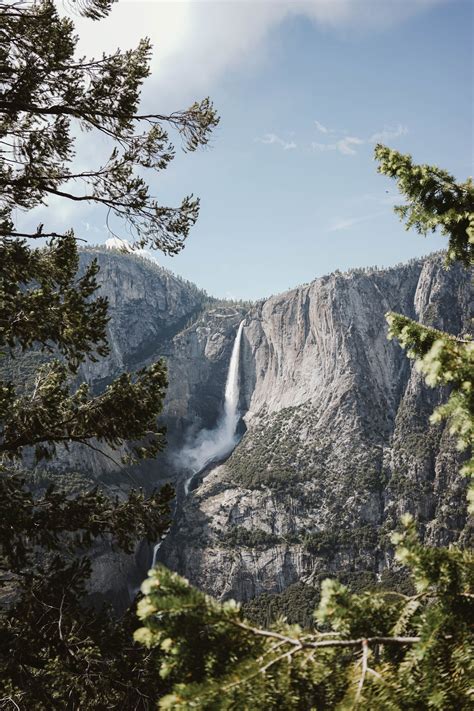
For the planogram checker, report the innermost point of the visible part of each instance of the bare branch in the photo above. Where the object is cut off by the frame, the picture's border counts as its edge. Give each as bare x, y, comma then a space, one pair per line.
304, 644
365, 656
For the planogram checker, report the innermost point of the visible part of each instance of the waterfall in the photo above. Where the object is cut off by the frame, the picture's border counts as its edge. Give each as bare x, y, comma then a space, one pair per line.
156, 548
231, 404
211, 445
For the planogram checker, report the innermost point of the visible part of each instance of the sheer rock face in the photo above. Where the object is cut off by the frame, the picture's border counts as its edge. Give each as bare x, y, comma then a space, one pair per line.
338, 443
147, 306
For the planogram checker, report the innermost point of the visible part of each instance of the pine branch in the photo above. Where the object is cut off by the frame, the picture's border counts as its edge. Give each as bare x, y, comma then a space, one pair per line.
301, 644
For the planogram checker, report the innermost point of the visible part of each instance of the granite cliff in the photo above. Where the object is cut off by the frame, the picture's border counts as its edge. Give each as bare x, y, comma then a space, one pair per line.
337, 441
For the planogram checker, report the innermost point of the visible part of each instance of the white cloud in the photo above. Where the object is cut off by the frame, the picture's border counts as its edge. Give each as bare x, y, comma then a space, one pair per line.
388, 134
196, 42
321, 128
344, 145
346, 223
273, 139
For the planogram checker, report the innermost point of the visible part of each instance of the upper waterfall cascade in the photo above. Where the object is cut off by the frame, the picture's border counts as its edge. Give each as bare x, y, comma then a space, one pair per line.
232, 389
215, 444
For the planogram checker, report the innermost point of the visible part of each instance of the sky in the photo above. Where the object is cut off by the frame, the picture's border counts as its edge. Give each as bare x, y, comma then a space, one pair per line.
289, 188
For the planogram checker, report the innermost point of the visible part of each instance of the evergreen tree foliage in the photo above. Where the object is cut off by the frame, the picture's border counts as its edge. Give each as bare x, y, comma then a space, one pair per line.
56, 651
381, 650
49, 93
436, 200
370, 651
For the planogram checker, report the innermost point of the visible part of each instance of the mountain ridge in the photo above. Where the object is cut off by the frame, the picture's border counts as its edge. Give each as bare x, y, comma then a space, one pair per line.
337, 438
337, 442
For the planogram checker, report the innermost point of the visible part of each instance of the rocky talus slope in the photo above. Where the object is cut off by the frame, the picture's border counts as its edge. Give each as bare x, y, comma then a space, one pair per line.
338, 443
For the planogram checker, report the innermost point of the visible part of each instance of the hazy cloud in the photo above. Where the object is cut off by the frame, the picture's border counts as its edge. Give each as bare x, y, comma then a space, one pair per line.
344, 145
347, 145
346, 223
388, 133
196, 42
273, 139
321, 128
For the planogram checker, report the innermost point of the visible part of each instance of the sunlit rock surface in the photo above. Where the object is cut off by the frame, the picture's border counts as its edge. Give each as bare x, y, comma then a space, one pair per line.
338, 443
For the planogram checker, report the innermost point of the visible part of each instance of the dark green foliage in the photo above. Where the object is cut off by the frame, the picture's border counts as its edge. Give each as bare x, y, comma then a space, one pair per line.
398, 581
434, 199
379, 650
298, 601
296, 604
53, 647
75, 324
56, 522
51, 415
56, 652
327, 542
49, 93
274, 453
239, 536
371, 479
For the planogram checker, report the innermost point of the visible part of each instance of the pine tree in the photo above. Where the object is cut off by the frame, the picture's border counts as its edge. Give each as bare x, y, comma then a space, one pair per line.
434, 199
376, 650
55, 650
48, 93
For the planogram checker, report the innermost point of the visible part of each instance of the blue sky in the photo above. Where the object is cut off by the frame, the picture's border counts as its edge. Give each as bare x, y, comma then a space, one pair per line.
289, 188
